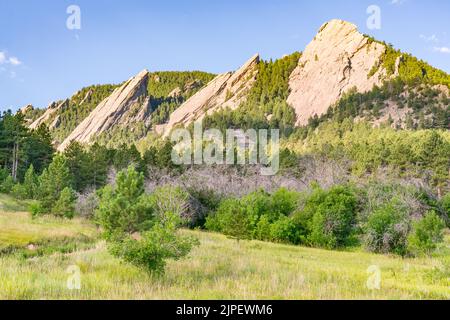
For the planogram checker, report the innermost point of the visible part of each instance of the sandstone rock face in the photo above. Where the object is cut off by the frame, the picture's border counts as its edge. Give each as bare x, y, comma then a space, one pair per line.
338, 59
126, 105
225, 90
26, 108
53, 108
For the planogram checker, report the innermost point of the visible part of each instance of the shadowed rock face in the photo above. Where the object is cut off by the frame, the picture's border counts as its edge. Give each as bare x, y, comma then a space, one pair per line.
126, 105
225, 90
338, 59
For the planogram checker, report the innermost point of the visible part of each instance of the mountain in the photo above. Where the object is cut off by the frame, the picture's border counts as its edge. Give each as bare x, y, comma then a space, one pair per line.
340, 74
337, 60
226, 90
127, 105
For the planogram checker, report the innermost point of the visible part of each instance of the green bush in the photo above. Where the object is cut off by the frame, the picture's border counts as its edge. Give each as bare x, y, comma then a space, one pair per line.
426, 234
7, 185
19, 191
387, 229
284, 230
36, 209
65, 205
232, 219
328, 218
155, 246
139, 228
125, 208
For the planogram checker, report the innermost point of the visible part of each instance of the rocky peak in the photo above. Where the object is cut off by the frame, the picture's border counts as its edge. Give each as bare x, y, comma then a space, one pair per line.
226, 90
49, 113
127, 104
25, 109
338, 59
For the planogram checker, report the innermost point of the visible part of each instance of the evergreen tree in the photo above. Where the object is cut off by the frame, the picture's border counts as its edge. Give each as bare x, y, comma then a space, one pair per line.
53, 181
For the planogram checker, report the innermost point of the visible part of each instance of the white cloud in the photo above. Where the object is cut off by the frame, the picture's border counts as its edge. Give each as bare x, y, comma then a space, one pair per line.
442, 49
5, 59
432, 38
397, 2
14, 61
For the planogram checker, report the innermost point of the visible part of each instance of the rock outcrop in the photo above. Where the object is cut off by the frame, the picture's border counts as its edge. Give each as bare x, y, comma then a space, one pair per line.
51, 110
337, 60
127, 104
226, 90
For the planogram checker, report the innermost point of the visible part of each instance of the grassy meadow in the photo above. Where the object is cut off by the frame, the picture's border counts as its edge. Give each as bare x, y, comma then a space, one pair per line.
36, 253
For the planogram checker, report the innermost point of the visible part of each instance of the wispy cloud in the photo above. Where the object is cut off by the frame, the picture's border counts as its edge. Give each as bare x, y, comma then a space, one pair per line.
398, 2
432, 38
2, 57
442, 49
5, 59
14, 61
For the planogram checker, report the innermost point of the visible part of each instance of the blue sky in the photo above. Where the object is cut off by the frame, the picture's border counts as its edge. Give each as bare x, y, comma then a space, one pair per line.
41, 60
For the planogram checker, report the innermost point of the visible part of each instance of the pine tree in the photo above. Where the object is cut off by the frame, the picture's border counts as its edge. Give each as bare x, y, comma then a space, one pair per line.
53, 181
30, 183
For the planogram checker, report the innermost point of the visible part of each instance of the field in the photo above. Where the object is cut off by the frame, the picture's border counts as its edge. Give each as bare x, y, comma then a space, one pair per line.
35, 255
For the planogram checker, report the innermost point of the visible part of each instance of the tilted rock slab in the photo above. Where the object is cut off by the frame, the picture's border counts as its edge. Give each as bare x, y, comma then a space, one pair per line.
52, 109
127, 104
226, 90
338, 59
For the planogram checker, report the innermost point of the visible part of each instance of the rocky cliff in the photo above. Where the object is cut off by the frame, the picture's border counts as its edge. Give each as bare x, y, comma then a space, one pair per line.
226, 90
337, 60
126, 105
51, 110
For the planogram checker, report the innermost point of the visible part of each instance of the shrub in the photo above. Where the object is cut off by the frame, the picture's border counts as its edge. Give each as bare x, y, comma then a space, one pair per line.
141, 229
19, 191
231, 219
7, 185
65, 205
387, 229
285, 201
284, 230
156, 245
426, 234
169, 199
125, 209
329, 216
263, 229
36, 209
86, 204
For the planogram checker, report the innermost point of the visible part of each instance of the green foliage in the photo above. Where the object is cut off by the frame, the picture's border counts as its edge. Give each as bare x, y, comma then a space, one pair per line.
30, 183
155, 246
20, 147
332, 215
53, 181
37, 209
77, 108
65, 205
142, 229
162, 84
7, 185
426, 234
254, 216
266, 100
284, 230
410, 69
125, 208
19, 192
387, 229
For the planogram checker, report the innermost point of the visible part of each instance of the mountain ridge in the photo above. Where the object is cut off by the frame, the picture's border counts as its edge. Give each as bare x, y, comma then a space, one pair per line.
338, 61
